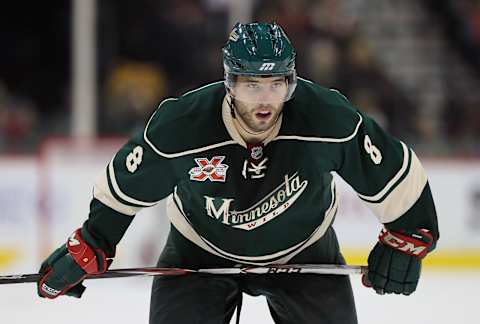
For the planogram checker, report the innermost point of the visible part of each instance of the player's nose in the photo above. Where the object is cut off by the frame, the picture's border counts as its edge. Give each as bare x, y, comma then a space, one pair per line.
266, 95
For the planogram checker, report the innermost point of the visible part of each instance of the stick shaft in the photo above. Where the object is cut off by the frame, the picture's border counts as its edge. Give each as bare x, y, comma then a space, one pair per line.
325, 269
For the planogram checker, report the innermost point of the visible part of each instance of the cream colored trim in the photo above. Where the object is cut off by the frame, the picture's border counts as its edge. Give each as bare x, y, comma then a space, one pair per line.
309, 81
197, 150
394, 180
185, 228
102, 192
404, 196
202, 87
183, 153
320, 231
122, 195
322, 139
339, 93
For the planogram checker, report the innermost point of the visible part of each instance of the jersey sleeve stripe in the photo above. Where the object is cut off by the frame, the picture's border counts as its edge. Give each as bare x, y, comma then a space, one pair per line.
402, 177
114, 194
322, 139
101, 191
403, 196
122, 196
396, 178
182, 224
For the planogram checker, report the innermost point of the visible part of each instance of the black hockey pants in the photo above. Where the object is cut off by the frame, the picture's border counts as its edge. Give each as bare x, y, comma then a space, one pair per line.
212, 299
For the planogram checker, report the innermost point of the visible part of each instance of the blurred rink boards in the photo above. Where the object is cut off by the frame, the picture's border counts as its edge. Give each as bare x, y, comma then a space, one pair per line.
43, 198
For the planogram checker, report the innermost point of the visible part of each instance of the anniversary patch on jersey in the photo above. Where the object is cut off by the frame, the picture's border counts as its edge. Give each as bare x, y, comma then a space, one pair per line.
212, 170
265, 210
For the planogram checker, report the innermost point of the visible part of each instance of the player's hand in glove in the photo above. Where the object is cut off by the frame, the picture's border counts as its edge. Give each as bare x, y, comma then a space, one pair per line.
395, 262
64, 270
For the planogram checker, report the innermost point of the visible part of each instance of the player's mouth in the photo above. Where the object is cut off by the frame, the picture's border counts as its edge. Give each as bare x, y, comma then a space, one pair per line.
263, 114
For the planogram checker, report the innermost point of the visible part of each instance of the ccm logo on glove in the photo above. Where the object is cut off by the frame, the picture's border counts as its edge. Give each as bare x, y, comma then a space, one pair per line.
394, 264
415, 245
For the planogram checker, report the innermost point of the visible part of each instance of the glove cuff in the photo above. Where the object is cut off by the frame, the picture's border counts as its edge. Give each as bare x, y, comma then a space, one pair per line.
91, 261
415, 243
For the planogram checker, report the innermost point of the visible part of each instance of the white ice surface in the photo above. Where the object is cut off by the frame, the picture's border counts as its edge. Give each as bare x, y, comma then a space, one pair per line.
441, 298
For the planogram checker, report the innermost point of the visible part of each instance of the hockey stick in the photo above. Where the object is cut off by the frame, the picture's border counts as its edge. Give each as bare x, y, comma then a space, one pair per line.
328, 269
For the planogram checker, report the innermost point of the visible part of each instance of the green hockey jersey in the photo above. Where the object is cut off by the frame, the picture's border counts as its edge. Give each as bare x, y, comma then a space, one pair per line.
267, 203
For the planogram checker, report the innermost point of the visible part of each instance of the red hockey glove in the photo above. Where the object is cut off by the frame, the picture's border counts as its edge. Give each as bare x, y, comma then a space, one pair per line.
395, 262
64, 270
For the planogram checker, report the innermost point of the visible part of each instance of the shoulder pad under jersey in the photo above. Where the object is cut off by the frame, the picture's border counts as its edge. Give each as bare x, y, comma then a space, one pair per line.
188, 124
320, 114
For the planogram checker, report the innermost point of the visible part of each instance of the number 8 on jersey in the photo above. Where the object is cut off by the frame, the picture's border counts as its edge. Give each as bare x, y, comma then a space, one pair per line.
371, 149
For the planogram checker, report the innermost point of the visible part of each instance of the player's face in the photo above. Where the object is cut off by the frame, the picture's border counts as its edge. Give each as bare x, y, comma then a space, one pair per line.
259, 100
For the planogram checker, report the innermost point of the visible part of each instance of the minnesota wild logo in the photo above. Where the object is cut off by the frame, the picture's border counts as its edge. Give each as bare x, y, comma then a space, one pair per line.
265, 210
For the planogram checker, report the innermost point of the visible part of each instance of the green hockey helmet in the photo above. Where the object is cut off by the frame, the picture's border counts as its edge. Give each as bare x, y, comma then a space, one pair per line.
259, 50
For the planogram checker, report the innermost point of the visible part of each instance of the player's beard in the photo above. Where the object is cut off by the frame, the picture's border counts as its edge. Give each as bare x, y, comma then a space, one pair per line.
257, 118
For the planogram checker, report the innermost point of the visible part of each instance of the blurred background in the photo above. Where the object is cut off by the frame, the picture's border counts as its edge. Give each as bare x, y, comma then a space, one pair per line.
78, 77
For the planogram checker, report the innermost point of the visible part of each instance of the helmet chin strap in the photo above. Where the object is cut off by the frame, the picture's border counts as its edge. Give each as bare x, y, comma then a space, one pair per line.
231, 104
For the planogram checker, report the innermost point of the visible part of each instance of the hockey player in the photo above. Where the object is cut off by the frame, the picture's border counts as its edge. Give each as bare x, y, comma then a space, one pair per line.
245, 165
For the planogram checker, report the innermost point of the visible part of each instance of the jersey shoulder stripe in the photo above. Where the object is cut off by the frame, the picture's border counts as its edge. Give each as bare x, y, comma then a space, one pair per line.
194, 119
322, 139
318, 114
